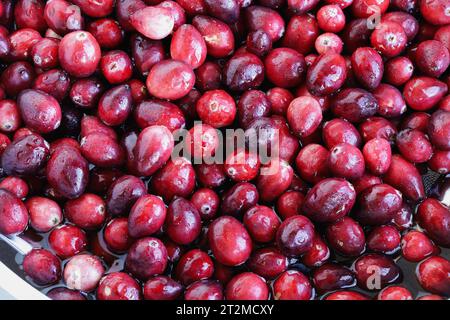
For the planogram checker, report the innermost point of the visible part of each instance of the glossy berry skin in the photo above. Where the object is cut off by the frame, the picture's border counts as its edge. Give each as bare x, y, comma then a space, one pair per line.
239, 198
292, 285
285, 67
346, 161
346, 237
262, 223
395, 293
235, 248
398, 70
108, 32
62, 293
123, 193
432, 58
338, 131
118, 286
304, 116
318, 254
327, 74
79, 54
253, 104
116, 66
243, 71
154, 22
384, 239
13, 214
162, 288
87, 211
368, 67
67, 241
16, 186
256, 16
414, 146
204, 290
422, 93
242, 165
433, 275
268, 262
42, 266
170, 79
311, 163
275, 178
83, 272
218, 36
247, 286
434, 216
377, 155
146, 216
438, 129
216, 108
183, 222
330, 277
354, 105
194, 265
188, 46
366, 265
389, 38
416, 246
295, 235
329, 200
147, 257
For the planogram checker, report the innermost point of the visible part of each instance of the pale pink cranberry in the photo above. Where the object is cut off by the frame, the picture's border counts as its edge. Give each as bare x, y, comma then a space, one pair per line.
83, 272
153, 22
45, 213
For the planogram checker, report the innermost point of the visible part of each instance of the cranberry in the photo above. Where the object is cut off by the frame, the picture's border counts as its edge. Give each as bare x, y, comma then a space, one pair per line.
274, 179
116, 235
243, 71
257, 17
83, 272
25, 155
434, 217
375, 271
183, 222
189, 46
262, 223
327, 74
202, 141
45, 213
331, 18
443, 35
204, 290
95, 8
438, 129
210, 175
207, 203
22, 41
146, 53
158, 112
153, 22
398, 70
62, 293
285, 67
304, 115
346, 161
63, 17
377, 155
242, 165
440, 162
430, 297
102, 150
432, 58
146, 216
435, 12
423, 93
107, 32
123, 193
433, 275
239, 198
45, 53
279, 99
253, 104
268, 262
79, 54
384, 239
124, 10
368, 67
301, 33
329, 200
330, 277
118, 286
116, 66
300, 6
328, 42
354, 105
42, 266
17, 77
218, 36
67, 241
247, 286
86, 92
147, 257
414, 146
346, 295
339, 131
13, 214
55, 82
193, 266
346, 237
403, 218
377, 127
295, 235
87, 211
162, 288
16, 186
395, 293
416, 246
356, 34
259, 43
292, 285
290, 203
225, 10
216, 108
208, 76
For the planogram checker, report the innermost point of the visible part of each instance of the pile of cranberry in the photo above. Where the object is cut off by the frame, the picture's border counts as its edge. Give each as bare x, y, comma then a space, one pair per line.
355, 92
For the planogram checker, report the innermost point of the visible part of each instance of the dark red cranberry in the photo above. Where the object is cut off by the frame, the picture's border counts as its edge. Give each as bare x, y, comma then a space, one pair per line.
257, 16
318, 254
384, 239
67, 241
83, 272
259, 43
433, 275
183, 222
210, 175
207, 203
367, 66
25, 156
423, 93
408, 22
162, 288
107, 32
159, 112
432, 58
329, 200
346, 237
414, 146
146, 53
123, 193
225, 10
55, 82
42, 266
290, 203
365, 181
45, 53
395, 293
16, 77
434, 217
301, 33
194, 265
262, 223
115, 105
204, 290
295, 235
116, 235
330, 277
440, 162
86, 92
232, 249
147, 257
208, 76
243, 71
253, 104
95, 9
354, 105
62, 293
439, 129
13, 214
280, 100
268, 262
346, 161
239, 198
327, 74
356, 34
292, 285
116, 66
118, 286
79, 54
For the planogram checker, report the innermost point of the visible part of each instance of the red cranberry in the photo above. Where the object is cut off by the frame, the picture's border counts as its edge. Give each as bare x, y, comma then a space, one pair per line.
318, 254
17, 77
377, 155
285, 67
13, 214
146, 53
123, 193
235, 248
124, 10
162, 288
116, 66
328, 42
377, 127
243, 71
403, 218
301, 33
153, 22
300, 6
435, 12
225, 10
207, 203
102, 150
267, 262
384, 239
339, 131
247, 286
146, 216
147, 257
193, 266
274, 179
356, 34
16, 186
45, 53
304, 115
187, 45
79, 54
262, 223
118, 286
423, 93
22, 41
331, 18
390, 101
95, 9
346, 237
295, 235
55, 82
216, 108
45, 213
157, 112
259, 43
63, 17
183, 222
433, 275
395, 293
389, 38
367, 180
330, 277
25, 155
327, 74
346, 295
218, 36
170, 79
408, 22
242, 165
430, 297
208, 76
64, 294
83, 272
253, 104
279, 99
116, 235
177, 11
414, 146
87, 211
443, 35
439, 129
432, 58
86, 92
42, 266
107, 32
239, 198
368, 67
67, 241
440, 162
416, 246
398, 70
354, 105
257, 16
346, 161
202, 141
434, 217
176, 178
210, 175
204, 290
289, 204
292, 285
